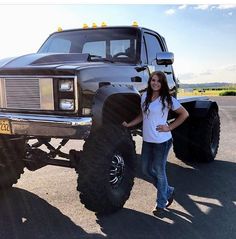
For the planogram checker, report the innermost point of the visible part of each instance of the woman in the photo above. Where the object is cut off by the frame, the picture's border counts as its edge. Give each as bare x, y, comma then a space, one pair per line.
157, 139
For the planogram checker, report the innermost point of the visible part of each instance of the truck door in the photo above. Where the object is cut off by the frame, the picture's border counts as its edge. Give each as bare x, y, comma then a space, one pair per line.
154, 46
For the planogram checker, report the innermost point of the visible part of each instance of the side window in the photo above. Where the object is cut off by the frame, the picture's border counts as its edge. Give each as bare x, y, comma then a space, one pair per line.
153, 47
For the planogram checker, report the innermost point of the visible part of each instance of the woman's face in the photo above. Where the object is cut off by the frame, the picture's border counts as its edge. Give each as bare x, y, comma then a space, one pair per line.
155, 83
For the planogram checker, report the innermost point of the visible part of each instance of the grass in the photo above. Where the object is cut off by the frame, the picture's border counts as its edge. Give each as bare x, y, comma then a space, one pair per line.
209, 92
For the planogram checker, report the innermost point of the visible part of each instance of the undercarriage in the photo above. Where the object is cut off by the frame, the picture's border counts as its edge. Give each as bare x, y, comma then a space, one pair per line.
37, 157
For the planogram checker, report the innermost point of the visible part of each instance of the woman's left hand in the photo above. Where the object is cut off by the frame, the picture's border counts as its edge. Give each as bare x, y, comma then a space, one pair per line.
163, 128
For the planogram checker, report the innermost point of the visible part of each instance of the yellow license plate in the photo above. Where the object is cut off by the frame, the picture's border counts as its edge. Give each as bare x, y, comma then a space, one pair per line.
5, 127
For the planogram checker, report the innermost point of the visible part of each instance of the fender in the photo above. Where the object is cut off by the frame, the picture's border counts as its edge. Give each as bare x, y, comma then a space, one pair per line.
202, 107
115, 104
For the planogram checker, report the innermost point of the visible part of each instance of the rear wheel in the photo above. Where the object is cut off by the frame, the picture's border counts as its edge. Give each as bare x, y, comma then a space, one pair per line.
181, 142
198, 139
11, 160
107, 169
205, 136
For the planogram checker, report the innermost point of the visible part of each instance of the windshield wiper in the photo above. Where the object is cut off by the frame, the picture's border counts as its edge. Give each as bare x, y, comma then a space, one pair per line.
99, 58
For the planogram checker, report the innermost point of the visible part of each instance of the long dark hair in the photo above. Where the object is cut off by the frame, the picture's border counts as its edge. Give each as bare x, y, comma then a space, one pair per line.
164, 92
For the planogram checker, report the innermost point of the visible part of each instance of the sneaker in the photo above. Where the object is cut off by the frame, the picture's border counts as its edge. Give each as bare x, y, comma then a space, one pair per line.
171, 199
157, 211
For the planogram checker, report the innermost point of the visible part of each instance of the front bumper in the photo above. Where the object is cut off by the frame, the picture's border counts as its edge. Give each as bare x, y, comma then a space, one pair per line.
48, 126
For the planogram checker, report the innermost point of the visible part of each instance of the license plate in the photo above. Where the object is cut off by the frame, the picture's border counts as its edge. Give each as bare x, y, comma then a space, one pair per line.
5, 127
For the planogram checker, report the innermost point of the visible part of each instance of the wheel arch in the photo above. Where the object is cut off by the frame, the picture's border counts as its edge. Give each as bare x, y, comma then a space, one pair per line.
203, 107
115, 104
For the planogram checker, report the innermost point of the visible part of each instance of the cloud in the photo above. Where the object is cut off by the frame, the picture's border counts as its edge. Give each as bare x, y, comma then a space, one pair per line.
202, 7
206, 73
191, 76
226, 6
230, 13
182, 7
231, 68
213, 7
170, 11
224, 73
186, 76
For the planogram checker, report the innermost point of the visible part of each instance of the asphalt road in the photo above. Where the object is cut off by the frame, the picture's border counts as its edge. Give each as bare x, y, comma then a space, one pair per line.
45, 203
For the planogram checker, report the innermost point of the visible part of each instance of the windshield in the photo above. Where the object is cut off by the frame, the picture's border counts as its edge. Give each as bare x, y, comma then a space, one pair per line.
116, 44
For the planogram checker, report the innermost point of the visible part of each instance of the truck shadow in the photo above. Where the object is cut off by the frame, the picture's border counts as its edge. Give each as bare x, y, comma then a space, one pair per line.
205, 195
25, 215
206, 198
129, 223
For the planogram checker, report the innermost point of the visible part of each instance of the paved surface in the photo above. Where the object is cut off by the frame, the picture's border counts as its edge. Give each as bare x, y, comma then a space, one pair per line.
45, 204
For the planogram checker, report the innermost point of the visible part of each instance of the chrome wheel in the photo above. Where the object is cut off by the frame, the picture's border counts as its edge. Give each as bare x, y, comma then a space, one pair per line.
116, 170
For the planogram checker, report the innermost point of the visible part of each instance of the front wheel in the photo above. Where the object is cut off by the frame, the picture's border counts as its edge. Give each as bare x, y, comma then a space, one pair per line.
11, 160
107, 169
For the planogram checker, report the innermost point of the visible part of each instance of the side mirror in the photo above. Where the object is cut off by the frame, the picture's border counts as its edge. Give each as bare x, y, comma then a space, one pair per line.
165, 58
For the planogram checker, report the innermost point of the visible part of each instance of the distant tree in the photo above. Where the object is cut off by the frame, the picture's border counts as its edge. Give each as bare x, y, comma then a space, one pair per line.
228, 93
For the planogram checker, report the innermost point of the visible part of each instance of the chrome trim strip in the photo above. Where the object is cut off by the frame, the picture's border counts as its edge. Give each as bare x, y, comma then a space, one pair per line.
76, 94
46, 94
1, 92
36, 76
48, 126
3, 101
73, 121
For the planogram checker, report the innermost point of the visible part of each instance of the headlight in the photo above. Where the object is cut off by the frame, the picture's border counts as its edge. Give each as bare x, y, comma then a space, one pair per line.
66, 85
67, 104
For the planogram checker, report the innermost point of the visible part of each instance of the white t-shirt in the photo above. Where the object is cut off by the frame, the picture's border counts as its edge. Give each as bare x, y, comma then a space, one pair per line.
154, 117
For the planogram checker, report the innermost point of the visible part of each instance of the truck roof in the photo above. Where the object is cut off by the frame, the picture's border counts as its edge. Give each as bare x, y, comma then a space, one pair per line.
109, 27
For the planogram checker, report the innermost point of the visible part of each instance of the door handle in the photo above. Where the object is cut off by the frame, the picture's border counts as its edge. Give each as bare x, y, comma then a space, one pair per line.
136, 79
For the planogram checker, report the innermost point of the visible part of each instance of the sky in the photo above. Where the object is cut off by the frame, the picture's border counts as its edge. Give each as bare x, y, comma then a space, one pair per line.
202, 37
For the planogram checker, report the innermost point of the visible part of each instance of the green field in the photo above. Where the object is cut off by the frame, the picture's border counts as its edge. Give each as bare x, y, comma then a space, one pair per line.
205, 92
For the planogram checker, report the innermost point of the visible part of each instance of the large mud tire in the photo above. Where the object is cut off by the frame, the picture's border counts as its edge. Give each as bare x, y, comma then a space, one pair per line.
181, 142
205, 137
107, 169
11, 160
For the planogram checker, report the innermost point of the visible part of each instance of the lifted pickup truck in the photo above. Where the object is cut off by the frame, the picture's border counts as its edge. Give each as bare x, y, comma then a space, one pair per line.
82, 84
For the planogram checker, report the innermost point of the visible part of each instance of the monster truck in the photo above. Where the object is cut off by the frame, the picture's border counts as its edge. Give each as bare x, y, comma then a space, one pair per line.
82, 84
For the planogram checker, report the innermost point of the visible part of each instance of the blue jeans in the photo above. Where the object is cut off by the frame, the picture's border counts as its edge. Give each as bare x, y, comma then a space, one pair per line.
154, 158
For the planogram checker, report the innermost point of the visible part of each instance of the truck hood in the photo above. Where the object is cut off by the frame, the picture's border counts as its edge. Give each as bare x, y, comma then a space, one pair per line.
42, 64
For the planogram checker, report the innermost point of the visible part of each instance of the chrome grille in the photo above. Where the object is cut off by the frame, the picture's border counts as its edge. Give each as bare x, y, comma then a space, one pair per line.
22, 93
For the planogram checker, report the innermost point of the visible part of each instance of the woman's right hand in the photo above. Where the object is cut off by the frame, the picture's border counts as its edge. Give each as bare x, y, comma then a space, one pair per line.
125, 124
